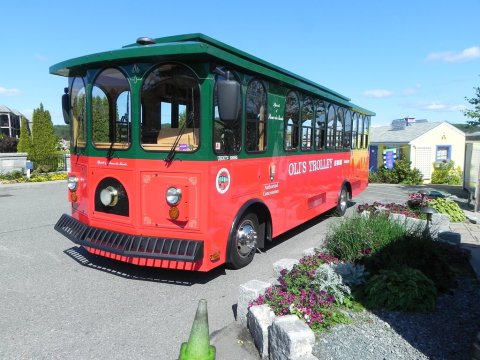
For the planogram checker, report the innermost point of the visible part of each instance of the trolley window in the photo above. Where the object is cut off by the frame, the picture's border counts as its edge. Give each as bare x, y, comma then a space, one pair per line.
78, 101
292, 118
111, 125
170, 109
256, 114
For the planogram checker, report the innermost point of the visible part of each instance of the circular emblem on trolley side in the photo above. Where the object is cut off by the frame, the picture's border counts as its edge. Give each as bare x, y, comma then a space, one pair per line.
223, 181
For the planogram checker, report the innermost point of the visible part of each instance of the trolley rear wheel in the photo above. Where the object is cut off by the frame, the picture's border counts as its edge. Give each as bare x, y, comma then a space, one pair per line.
343, 200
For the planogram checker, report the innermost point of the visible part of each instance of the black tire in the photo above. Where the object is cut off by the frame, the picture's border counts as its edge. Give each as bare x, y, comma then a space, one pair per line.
243, 241
343, 201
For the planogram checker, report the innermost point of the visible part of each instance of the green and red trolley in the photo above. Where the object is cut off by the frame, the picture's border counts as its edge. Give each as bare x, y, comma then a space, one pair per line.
187, 153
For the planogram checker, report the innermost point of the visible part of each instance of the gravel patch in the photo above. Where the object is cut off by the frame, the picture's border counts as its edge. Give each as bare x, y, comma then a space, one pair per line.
447, 333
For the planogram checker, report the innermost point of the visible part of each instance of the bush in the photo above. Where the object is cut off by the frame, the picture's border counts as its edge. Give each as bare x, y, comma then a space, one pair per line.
417, 252
401, 173
358, 236
404, 289
446, 173
449, 207
8, 144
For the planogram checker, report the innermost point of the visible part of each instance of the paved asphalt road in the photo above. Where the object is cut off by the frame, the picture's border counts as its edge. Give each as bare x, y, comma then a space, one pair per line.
59, 302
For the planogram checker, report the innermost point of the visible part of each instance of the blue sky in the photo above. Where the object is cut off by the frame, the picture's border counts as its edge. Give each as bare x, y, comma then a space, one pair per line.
397, 58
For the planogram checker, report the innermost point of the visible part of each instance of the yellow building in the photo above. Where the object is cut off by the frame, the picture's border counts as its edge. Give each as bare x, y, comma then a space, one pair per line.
423, 143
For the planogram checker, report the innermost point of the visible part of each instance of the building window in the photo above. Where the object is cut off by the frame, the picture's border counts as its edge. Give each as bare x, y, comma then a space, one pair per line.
443, 153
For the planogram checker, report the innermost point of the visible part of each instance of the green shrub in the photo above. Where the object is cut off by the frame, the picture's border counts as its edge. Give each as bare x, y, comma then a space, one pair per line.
404, 289
401, 173
8, 144
446, 173
13, 175
417, 252
358, 236
449, 207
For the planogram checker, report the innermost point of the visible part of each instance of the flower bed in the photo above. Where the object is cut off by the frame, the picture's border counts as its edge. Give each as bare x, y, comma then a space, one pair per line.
363, 258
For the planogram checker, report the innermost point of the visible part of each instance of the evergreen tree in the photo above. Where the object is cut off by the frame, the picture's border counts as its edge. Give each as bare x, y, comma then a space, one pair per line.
101, 129
25, 141
44, 141
475, 112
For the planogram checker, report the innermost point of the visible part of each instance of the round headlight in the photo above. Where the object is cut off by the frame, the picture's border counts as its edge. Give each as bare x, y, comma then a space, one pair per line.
72, 183
109, 196
173, 196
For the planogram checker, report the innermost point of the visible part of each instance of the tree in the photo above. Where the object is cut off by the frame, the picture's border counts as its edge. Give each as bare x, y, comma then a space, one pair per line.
7, 144
62, 131
475, 112
44, 141
25, 141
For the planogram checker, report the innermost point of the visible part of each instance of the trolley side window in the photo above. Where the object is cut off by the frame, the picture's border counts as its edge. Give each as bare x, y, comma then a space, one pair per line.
256, 114
320, 124
227, 135
331, 114
340, 119
355, 131
292, 118
78, 101
348, 130
307, 123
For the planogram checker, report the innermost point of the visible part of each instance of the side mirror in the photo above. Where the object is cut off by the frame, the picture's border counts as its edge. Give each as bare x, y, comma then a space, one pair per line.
66, 107
228, 96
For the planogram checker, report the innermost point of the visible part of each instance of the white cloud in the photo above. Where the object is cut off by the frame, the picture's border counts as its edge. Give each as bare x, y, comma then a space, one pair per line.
439, 106
377, 93
413, 90
9, 92
435, 106
453, 57
459, 107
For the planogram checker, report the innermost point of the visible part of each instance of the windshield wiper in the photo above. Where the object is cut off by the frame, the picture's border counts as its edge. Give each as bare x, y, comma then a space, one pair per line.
110, 151
173, 149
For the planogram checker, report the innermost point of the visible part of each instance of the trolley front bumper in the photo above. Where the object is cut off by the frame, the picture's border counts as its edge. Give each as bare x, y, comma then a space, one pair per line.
129, 245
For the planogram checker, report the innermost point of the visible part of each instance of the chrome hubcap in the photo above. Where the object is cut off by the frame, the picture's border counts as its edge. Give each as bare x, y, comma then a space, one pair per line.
246, 238
343, 199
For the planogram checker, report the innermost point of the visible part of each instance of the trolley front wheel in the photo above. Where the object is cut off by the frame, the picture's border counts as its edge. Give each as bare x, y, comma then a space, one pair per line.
243, 241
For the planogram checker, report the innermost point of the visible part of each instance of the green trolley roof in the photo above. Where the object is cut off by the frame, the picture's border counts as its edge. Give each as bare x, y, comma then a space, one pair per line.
198, 47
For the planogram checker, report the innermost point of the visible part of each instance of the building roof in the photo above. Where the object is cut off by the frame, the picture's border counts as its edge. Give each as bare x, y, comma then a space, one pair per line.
385, 134
473, 136
6, 109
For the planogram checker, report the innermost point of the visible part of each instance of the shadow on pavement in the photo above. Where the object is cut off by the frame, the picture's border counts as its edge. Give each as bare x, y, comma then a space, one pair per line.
134, 272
